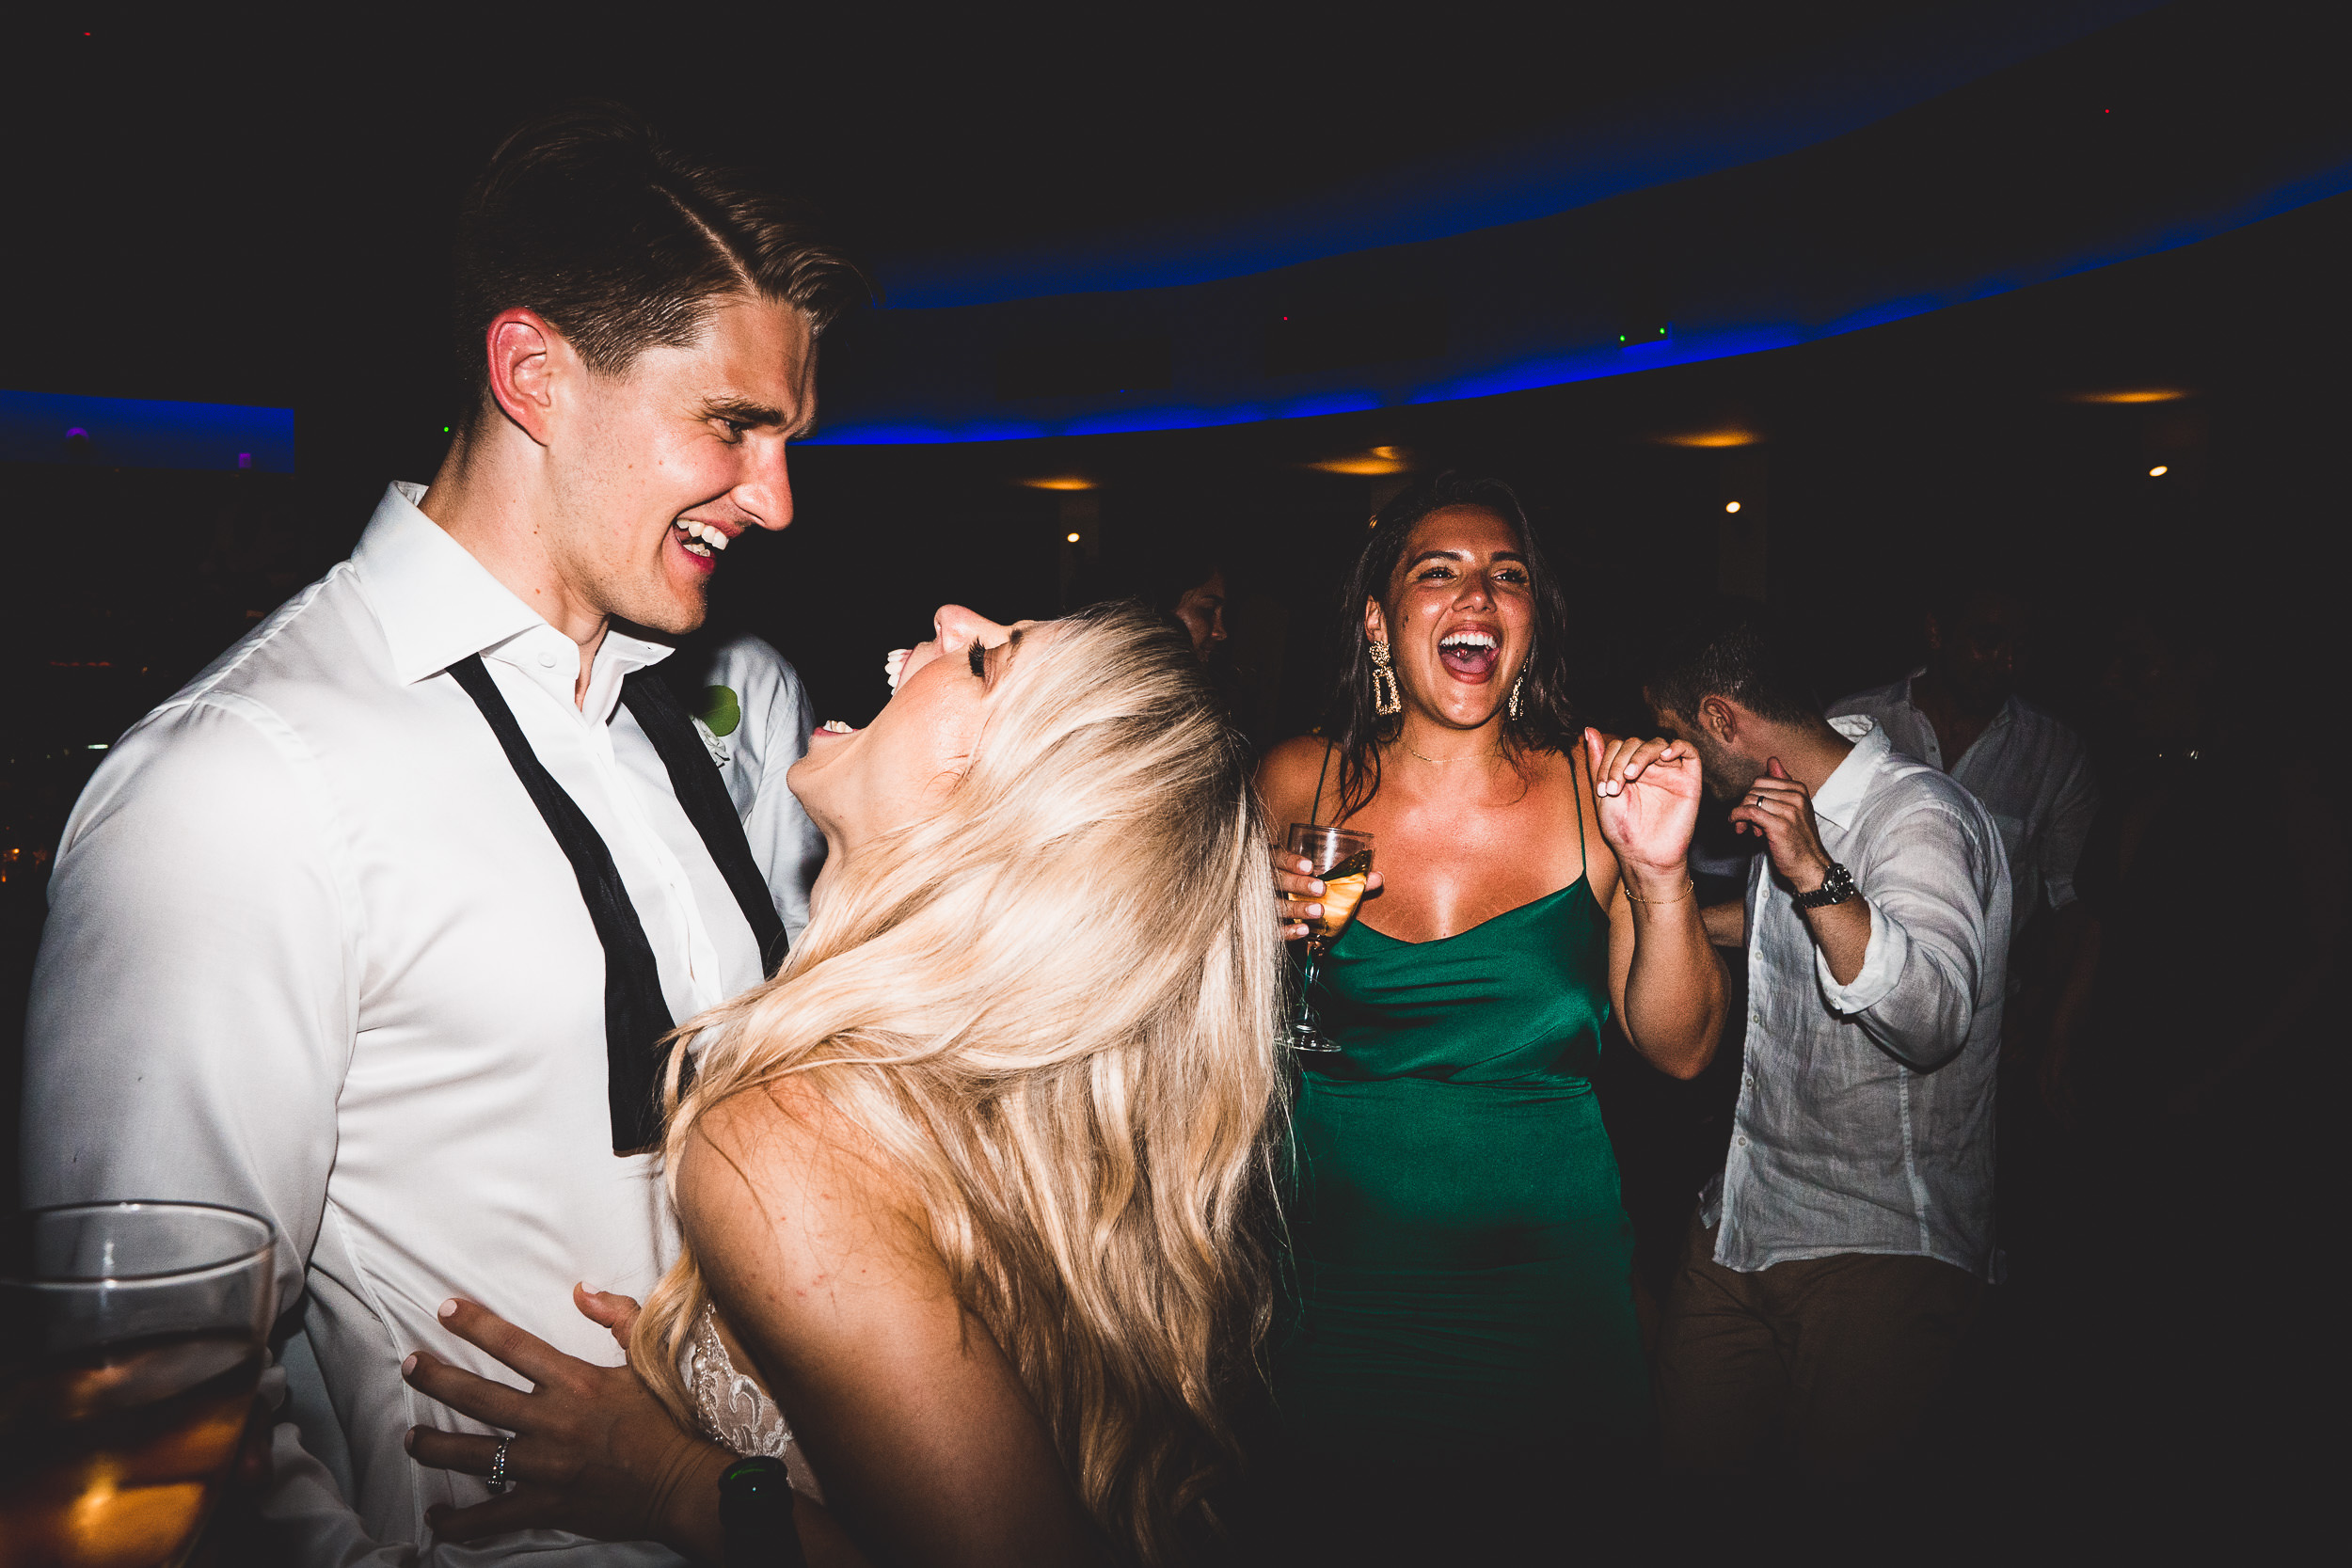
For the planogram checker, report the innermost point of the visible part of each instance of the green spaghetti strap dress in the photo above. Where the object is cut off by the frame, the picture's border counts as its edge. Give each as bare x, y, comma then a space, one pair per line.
1461, 1290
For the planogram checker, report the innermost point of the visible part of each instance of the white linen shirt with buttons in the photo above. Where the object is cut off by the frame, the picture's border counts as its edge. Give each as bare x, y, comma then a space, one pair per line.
1865, 1118
2029, 768
312, 952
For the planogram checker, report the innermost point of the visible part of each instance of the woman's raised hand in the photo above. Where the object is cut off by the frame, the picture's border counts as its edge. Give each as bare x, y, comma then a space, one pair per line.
1649, 795
1298, 893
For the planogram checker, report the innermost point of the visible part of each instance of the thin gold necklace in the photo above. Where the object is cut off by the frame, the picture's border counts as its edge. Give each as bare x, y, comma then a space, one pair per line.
1438, 762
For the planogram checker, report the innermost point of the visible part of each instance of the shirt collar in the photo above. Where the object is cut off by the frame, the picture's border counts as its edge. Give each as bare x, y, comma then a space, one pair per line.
437, 603
1841, 792
2009, 706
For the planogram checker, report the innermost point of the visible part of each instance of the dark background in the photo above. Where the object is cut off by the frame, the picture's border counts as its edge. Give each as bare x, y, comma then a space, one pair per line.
264, 220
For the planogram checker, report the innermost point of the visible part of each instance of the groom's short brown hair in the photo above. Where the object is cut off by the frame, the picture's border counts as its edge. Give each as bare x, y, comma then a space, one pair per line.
586, 215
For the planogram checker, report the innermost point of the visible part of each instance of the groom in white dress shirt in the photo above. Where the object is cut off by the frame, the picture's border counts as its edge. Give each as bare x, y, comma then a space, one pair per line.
313, 950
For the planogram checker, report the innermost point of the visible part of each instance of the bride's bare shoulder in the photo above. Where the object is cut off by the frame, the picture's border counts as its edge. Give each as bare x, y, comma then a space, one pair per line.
782, 1164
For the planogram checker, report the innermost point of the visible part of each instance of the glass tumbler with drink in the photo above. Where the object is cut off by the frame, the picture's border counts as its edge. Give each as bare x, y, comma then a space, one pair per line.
1342, 857
131, 1342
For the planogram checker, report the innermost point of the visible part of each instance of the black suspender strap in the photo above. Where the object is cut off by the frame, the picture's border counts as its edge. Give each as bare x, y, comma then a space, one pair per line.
636, 1015
696, 783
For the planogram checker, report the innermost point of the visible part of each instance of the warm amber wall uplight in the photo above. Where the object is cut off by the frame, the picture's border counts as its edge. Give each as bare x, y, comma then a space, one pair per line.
1371, 463
1061, 482
1731, 435
2134, 394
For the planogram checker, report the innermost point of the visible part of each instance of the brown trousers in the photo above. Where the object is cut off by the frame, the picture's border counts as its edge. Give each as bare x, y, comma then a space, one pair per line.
1825, 1365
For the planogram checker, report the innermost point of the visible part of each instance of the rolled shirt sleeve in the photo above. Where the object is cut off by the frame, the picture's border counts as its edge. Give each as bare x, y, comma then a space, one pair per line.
1927, 882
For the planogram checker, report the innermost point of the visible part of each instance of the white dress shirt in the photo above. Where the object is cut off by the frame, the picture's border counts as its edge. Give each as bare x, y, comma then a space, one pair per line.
2029, 768
312, 952
1865, 1118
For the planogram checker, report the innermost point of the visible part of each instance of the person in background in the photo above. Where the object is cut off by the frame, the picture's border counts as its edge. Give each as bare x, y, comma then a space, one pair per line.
1179, 575
1199, 609
1837, 1261
1461, 1359
2172, 1030
375, 928
754, 716
1961, 712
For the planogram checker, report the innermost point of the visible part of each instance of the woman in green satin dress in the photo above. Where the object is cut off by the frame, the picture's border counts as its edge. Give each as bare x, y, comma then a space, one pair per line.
1459, 1291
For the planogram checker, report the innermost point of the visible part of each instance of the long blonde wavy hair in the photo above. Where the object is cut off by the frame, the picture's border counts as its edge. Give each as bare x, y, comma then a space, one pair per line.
1053, 1003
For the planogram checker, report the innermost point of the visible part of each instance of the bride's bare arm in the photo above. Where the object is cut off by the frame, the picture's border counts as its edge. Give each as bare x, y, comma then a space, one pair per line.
818, 1256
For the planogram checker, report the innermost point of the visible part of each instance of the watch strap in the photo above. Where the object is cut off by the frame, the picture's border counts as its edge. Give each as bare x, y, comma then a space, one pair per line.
1836, 887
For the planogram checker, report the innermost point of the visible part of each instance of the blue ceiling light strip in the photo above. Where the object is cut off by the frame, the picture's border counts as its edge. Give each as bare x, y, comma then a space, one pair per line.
1690, 129
2015, 182
142, 432
1691, 344
1118, 422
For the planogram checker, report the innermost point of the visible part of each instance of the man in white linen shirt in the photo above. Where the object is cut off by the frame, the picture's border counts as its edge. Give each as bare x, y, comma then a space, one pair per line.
1836, 1264
314, 949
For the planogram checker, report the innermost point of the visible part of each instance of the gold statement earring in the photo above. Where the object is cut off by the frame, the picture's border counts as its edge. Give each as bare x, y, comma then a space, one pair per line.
1385, 698
1516, 687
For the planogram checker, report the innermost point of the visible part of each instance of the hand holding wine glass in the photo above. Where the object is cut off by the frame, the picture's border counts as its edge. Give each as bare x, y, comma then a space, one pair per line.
1341, 859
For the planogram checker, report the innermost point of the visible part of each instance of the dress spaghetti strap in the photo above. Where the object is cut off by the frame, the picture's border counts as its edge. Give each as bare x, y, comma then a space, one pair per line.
1583, 856
1314, 816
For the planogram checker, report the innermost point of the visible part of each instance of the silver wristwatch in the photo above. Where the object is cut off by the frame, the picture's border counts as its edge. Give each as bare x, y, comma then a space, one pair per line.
1835, 889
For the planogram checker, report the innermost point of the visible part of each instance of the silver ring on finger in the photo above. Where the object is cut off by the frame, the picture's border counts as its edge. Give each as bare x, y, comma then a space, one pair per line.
498, 1480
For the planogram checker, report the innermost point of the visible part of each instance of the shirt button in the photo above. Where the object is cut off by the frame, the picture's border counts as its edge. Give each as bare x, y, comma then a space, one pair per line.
1742, 1140
547, 661
1749, 1078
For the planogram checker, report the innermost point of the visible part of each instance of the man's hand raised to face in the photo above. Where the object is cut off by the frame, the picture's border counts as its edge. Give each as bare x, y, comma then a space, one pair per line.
1781, 810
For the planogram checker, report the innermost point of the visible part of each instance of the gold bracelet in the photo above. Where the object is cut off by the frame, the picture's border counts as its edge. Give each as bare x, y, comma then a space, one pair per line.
1687, 887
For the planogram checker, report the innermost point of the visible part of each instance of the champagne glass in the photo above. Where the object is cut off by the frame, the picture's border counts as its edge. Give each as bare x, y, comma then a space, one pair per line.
1343, 858
130, 1342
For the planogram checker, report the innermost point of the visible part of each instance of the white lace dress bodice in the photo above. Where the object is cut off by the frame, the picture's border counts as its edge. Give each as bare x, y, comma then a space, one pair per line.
733, 1407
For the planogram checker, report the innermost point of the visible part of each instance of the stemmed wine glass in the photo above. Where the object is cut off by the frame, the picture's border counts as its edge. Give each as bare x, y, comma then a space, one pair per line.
1343, 858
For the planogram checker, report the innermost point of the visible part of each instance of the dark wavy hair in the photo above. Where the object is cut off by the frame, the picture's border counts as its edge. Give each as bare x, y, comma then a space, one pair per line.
622, 240
1547, 720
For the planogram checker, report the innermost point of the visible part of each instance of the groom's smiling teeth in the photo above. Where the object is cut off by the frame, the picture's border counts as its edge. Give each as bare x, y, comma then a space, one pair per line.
701, 537
1468, 652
